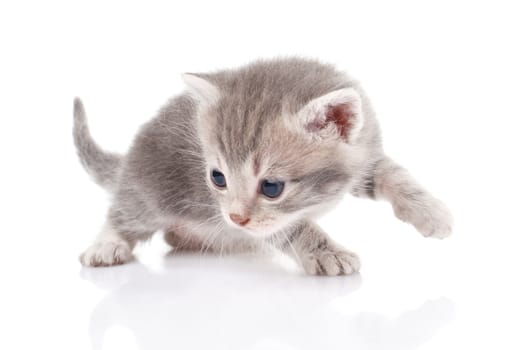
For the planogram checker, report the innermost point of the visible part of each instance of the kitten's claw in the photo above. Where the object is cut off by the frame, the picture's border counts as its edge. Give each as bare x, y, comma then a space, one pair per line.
106, 254
430, 217
331, 262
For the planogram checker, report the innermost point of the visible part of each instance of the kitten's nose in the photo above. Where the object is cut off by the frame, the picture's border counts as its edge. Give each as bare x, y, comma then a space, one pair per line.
239, 219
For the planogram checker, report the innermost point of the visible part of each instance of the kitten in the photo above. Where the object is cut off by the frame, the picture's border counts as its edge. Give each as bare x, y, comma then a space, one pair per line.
249, 156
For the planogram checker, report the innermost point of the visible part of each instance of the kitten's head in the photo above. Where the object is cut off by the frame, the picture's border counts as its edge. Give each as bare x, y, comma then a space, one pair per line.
276, 150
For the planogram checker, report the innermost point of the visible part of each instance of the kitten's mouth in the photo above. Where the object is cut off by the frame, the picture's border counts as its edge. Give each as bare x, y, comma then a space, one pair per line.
248, 227
253, 227
255, 231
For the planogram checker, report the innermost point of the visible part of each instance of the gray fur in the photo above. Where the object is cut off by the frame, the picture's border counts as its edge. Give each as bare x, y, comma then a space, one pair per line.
102, 166
163, 180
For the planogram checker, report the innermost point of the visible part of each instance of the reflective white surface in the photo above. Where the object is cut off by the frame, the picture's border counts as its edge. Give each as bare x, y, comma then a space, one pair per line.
238, 303
411, 294
434, 71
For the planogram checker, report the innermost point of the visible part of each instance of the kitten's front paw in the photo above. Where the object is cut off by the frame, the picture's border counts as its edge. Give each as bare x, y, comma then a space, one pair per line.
430, 217
107, 254
331, 262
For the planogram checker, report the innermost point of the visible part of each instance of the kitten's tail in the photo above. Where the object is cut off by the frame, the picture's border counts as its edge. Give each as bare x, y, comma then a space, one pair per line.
101, 165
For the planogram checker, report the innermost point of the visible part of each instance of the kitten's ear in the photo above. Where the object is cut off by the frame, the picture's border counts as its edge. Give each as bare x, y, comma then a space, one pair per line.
200, 88
336, 112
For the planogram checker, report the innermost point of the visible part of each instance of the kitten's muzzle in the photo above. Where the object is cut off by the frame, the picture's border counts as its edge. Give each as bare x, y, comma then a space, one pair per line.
239, 219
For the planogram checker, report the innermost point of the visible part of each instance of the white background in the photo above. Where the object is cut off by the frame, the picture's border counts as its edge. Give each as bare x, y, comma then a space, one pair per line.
435, 72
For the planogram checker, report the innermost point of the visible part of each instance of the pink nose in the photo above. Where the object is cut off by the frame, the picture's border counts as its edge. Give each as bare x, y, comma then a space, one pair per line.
239, 220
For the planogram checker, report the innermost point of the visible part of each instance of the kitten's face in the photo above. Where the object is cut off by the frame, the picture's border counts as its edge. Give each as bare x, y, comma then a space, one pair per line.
268, 171
284, 179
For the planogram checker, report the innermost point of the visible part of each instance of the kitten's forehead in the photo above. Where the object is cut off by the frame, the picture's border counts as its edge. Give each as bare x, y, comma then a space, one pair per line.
255, 133
277, 153
253, 98
239, 130
248, 121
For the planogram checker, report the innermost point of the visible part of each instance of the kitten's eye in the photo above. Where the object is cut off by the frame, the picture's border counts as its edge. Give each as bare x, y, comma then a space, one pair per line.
218, 178
272, 189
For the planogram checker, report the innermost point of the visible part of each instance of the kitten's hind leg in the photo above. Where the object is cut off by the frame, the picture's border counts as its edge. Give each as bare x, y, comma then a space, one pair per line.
410, 201
209, 240
316, 251
183, 241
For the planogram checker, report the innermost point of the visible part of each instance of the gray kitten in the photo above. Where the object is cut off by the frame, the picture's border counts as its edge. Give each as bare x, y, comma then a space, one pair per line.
248, 157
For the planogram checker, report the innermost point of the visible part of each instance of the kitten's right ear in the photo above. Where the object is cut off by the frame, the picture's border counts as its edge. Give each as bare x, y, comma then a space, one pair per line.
201, 89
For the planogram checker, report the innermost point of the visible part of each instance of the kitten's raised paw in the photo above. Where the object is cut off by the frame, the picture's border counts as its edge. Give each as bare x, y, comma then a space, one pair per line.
107, 254
331, 262
430, 217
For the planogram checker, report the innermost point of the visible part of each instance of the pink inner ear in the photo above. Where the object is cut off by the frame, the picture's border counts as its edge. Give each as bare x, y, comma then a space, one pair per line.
342, 116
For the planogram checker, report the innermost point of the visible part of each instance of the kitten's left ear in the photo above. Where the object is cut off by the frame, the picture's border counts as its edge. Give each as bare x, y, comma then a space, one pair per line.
338, 112
201, 89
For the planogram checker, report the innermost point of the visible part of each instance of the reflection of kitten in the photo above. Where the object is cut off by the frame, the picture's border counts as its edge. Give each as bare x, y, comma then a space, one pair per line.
275, 306
247, 157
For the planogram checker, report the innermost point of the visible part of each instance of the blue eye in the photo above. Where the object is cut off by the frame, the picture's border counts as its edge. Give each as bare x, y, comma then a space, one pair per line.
218, 178
272, 189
